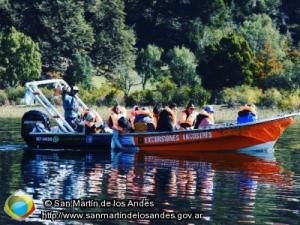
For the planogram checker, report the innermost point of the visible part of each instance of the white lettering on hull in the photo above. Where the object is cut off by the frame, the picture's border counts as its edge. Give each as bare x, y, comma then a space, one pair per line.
161, 139
177, 137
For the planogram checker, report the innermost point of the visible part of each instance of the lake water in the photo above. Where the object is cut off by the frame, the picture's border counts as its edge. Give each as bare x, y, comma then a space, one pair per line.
225, 188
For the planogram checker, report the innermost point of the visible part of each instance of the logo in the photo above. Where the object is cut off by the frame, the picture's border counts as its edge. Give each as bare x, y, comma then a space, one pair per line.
55, 139
19, 205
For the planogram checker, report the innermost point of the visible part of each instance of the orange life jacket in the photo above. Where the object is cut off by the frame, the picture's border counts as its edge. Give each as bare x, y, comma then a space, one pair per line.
186, 119
113, 120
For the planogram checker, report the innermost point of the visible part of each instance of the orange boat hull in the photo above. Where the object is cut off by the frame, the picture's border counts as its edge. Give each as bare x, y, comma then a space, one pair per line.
258, 135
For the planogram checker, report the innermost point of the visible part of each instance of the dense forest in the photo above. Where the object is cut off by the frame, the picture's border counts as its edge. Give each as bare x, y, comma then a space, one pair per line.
149, 51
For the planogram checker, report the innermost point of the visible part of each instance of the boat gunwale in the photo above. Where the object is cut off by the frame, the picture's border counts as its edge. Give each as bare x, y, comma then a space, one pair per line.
216, 127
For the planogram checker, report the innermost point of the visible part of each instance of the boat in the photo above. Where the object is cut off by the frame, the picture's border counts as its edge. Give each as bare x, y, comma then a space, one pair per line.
261, 134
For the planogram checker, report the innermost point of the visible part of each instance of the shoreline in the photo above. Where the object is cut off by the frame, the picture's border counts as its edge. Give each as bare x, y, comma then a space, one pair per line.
222, 113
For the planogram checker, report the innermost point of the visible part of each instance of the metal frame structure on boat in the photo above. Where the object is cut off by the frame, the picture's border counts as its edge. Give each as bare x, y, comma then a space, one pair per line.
52, 111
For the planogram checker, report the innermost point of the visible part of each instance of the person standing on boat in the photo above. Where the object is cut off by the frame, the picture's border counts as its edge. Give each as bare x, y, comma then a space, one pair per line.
167, 118
71, 106
205, 118
187, 117
247, 114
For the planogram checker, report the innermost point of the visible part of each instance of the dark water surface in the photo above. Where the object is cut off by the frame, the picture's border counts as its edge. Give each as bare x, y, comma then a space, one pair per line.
226, 188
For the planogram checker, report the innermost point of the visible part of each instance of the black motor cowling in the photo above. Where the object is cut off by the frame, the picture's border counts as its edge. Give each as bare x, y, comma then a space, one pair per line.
29, 121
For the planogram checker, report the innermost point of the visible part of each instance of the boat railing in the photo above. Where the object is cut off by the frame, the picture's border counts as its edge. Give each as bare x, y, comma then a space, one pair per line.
51, 110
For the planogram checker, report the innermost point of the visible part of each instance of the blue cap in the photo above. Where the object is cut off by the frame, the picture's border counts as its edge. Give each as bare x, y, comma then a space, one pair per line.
209, 109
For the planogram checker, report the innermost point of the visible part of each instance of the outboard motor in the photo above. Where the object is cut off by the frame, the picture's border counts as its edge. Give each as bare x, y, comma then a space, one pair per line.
30, 120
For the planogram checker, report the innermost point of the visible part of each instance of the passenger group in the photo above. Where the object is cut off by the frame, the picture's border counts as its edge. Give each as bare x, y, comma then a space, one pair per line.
141, 119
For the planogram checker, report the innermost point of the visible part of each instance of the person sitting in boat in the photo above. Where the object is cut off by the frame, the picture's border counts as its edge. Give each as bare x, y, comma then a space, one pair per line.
205, 118
71, 107
92, 123
143, 120
41, 128
187, 117
116, 113
167, 118
132, 115
247, 114
156, 111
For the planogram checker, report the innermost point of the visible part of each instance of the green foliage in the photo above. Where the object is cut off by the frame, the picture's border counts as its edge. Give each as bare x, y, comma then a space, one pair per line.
114, 42
14, 95
3, 98
20, 59
203, 35
182, 64
199, 95
229, 63
167, 88
144, 97
270, 98
103, 95
80, 71
148, 63
290, 8
124, 79
167, 23
241, 9
169, 93
195, 94
259, 30
239, 95
290, 101
288, 78
268, 44
48, 92
61, 29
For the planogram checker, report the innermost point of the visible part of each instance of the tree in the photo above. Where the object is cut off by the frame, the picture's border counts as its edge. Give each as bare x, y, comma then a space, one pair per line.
167, 88
167, 23
81, 70
291, 20
124, 80
204, 35
182, 64
243, 8
259, 30
267, 43
20, 59
148, 63
229, 63
58, 26
114, 42
288, 78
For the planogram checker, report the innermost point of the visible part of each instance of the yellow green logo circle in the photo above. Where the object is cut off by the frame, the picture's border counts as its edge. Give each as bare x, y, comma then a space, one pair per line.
19, 205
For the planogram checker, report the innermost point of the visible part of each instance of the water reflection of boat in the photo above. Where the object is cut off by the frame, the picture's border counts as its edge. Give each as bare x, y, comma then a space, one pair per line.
264, 166
255, 135
196, 180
